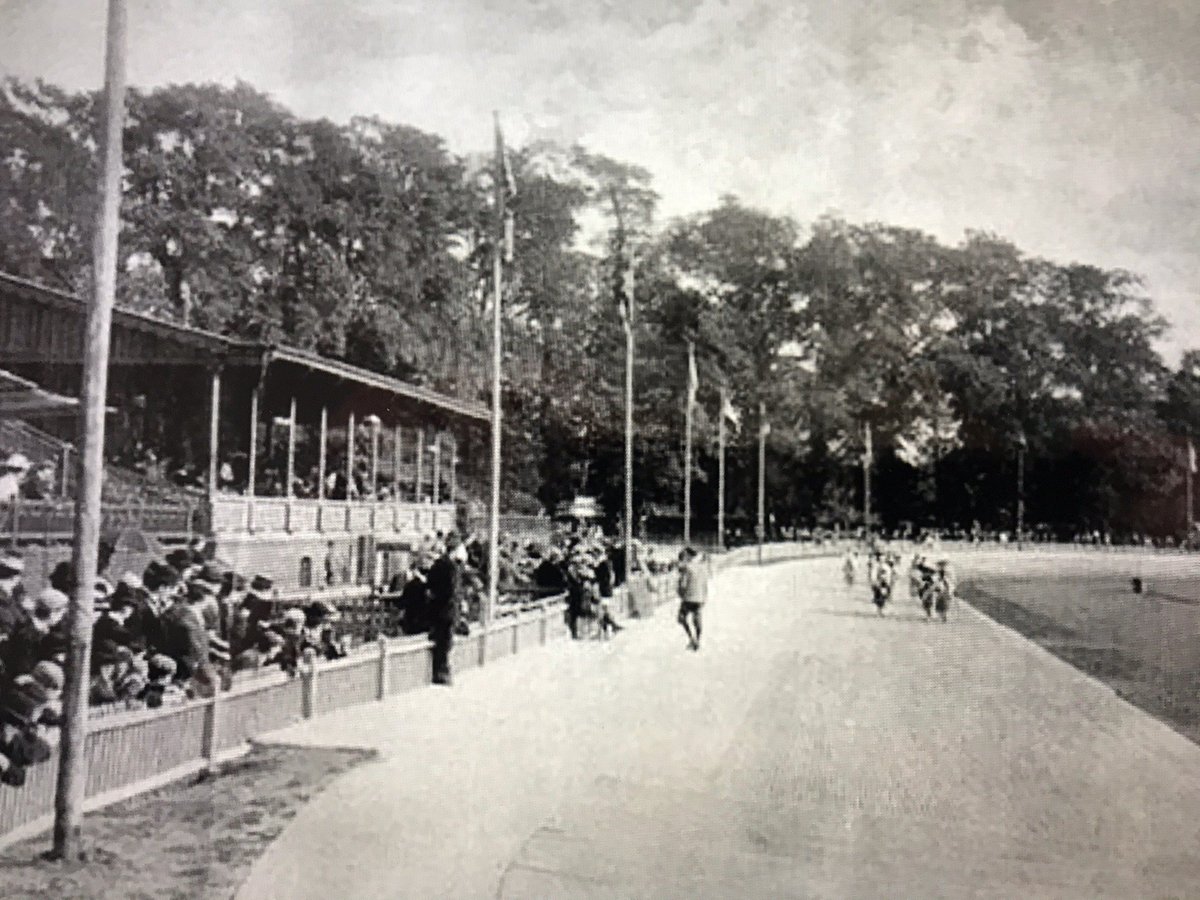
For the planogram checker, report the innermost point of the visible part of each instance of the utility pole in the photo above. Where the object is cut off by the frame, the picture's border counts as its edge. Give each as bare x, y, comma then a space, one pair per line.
868, 452
721, 472
687, 446
629, 360
72, 766
1022, 446
764, 428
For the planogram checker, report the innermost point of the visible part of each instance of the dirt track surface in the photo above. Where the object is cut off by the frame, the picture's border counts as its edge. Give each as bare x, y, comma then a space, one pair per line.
811, 749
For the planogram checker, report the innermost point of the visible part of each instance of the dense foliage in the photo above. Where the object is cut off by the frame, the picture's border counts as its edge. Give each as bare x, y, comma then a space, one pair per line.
372, 242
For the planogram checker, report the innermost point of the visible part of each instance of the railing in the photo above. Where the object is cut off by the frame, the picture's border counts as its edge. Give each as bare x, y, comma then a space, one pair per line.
234, 514
54, 520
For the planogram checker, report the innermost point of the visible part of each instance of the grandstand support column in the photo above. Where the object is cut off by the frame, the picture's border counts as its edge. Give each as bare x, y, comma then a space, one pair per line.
321, 468
214, 433
72, 778
349, 467
419, 475
289, 491
372, 421
437, 468
454, 471
253, 458
396, 436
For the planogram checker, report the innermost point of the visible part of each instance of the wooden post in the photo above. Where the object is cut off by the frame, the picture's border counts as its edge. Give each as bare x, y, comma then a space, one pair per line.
210, 739
72, 767
349, 465
253, 458
437, 468
374, 421
420, 462
321, 469
762, 478
308, 687
629, 359
291, 451
214, 428
289, 492
454, 471
396, 435
721, 472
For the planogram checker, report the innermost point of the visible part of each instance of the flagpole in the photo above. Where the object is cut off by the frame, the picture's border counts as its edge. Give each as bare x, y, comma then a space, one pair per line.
867, 478
72, 767
762, 478
687, 445
721, 473
629, 349
498, 293
1189, 517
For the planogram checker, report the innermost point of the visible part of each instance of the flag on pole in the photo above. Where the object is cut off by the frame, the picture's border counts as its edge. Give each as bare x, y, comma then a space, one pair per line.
1191, 456
693, 379
765, 429
506, 191
624, 291
868, 450
729, 411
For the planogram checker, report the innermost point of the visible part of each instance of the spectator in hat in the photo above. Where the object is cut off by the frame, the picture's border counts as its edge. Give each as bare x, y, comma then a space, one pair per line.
12, 570
445, 590
12, 474
112, 625
160, 684
115, 677
184, 637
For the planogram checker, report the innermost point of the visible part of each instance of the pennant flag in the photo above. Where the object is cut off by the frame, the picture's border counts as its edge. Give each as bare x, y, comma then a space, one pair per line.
765, 429
506, 191
624, 292
1191, 449
730, 412
693, 380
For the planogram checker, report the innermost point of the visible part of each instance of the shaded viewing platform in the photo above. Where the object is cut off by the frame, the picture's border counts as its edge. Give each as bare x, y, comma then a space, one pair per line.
246, 441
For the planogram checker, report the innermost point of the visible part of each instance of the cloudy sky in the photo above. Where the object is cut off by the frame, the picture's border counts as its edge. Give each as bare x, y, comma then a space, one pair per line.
1069, 126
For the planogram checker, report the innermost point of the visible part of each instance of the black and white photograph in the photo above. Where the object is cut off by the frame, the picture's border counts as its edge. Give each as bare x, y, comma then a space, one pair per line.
547, 450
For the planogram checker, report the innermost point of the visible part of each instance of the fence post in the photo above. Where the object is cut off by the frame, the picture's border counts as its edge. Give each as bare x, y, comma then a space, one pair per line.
381, 693
545, 623
516, 633
208, 747
308, 690
483, 639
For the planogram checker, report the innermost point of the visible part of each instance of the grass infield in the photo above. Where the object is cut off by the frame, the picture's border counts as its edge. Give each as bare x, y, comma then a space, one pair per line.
1146, 646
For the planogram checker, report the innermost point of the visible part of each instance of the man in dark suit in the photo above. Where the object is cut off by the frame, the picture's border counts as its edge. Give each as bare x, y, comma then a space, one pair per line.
444, 591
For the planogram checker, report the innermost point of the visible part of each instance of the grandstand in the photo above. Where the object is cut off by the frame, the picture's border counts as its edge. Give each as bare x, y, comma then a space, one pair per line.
312, 471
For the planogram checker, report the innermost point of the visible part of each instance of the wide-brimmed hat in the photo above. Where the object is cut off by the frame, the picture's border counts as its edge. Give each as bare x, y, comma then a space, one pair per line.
11, 564
16, 462
261, 586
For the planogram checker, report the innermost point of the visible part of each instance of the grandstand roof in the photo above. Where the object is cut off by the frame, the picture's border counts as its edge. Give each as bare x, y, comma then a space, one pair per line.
39, 324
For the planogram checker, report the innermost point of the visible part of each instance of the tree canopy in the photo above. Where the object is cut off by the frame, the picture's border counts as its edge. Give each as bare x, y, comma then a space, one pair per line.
371, 242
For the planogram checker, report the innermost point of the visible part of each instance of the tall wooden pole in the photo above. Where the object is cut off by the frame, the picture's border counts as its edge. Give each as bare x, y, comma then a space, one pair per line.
868, 452
721, 473
214, 434
291, 449
350, 448
437, 468
1189, 513
762, 478
374, 458
321, 460
253, 461
419, 475
630, 307
687, 450
396, 464
1021, 447
72, 767
494, 512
